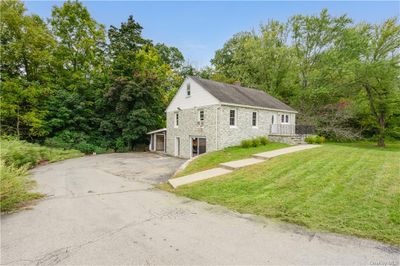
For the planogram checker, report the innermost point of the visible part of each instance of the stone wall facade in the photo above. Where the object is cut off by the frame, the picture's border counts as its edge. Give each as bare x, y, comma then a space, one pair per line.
216, 128
291, 140
189, 127
233, 135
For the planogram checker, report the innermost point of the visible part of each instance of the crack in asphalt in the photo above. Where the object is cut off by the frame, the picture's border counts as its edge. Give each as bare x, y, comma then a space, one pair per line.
52, 197
54, 257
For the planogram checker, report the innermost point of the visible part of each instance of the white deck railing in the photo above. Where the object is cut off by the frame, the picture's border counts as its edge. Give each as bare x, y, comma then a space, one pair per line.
283, 129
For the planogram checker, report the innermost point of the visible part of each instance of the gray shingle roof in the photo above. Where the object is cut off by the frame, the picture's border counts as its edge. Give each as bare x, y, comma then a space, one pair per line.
235, 94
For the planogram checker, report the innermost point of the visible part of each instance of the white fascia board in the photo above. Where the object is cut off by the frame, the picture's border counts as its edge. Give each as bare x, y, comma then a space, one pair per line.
258, 107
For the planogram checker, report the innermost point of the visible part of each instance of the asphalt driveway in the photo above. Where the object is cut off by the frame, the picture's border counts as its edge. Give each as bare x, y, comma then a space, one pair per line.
104, 210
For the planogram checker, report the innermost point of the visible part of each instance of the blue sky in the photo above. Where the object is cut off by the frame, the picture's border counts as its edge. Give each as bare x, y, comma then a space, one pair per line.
200, 28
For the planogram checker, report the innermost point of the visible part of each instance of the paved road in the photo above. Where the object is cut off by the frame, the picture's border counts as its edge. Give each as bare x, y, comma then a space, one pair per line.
104, 210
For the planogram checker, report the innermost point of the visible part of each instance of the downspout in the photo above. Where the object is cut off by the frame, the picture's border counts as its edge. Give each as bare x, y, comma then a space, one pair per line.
216, 127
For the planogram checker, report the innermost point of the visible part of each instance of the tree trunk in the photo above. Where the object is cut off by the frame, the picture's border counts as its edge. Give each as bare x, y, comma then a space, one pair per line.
17, 126
381, 138
380, 118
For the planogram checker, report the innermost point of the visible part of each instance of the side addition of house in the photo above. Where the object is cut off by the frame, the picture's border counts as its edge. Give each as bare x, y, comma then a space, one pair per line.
207, 116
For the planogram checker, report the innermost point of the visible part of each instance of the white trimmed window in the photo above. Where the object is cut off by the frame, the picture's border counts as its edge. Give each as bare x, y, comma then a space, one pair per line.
201, 118
232, 118
254, 119
201, 115
176, 119
285, 119
188, 92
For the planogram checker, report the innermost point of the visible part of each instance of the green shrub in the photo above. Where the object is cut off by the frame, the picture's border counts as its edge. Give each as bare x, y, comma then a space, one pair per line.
14, 187
20, 153
263, 140
255, 142
315, 139
246, 143
16, 157
319, 139
310, 140
77, 140
120, 145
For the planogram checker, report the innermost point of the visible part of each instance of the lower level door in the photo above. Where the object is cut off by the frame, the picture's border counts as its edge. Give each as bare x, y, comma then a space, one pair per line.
198, 146
160, 142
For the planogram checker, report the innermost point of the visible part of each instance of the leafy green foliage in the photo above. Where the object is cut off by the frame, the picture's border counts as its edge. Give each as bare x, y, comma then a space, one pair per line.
255, 142
341, 77
21, 153
264, 140
315, 139
14, 187
25, 58
16, 157
62, 84
63, 78
246, 143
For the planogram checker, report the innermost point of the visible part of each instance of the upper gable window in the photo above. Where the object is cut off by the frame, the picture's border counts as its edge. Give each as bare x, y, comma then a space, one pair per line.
188, 92
176, 119
287, 118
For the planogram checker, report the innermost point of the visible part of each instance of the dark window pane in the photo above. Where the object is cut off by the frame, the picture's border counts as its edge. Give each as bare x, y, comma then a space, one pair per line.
232, 117
202, 145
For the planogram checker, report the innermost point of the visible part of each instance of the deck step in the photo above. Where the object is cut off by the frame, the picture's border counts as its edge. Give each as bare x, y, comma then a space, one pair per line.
240, 163
180, 181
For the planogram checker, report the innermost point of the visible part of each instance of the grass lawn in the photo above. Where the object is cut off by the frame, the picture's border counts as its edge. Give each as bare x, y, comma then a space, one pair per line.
344, 188
16, 157
212, 159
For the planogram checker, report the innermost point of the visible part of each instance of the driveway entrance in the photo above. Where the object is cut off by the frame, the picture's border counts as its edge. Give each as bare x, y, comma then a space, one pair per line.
104, 210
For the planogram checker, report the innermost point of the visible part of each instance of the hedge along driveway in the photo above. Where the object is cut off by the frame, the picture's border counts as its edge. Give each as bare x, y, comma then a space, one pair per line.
340, 188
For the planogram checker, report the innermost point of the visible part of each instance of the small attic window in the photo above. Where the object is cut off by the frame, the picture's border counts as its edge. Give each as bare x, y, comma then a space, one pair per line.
188, 90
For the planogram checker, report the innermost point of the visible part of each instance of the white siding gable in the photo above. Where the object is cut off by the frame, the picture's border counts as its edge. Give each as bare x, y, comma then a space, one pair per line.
198, 97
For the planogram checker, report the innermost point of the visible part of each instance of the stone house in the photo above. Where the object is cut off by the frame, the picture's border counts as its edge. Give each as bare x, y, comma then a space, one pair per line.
206, 116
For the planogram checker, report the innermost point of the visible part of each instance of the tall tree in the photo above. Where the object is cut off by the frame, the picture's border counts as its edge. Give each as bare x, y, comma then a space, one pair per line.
26, 46
170, 56
376, 69
137, 95
79, 68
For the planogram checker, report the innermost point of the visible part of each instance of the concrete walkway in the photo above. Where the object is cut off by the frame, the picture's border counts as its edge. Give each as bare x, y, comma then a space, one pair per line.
274, 153
233, 165
176, 182
227, 167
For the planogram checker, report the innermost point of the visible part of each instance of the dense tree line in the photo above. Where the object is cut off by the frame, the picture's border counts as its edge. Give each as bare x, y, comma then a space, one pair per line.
69, 82
342, 77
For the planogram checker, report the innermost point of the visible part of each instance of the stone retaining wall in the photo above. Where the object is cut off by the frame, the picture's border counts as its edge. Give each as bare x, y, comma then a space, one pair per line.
292, 139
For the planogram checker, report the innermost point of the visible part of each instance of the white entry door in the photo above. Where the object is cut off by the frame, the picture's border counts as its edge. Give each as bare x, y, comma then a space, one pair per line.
177, 146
